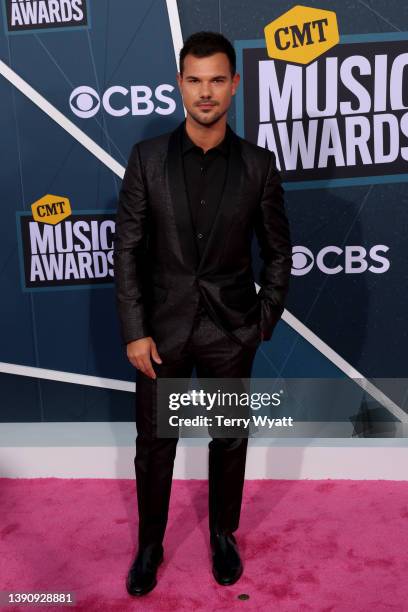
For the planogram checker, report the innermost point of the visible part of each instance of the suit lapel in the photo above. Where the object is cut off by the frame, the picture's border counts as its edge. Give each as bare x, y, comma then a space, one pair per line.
178, 193
226, 208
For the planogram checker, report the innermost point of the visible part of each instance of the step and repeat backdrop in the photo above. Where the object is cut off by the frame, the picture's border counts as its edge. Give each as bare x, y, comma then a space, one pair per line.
324, 86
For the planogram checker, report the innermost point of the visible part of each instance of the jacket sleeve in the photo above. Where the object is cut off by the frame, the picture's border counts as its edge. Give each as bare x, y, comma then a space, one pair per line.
129, 248
273, 234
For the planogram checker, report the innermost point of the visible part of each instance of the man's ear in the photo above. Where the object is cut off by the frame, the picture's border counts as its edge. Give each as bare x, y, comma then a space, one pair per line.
235, 82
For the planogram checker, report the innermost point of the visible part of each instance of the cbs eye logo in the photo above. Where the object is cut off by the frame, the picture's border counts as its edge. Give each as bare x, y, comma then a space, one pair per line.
302, 260
84, 102
352, 259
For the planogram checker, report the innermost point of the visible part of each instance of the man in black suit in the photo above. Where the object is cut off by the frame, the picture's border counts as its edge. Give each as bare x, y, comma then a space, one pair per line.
189, 203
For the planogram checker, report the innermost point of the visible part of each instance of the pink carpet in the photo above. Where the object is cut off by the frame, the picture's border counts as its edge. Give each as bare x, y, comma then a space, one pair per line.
306, 545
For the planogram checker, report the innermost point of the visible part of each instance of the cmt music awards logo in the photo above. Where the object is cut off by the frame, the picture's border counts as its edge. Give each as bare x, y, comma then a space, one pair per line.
59, 248
327, 107
29, 15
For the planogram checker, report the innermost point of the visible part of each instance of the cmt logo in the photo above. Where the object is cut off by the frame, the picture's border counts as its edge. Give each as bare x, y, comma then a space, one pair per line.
119, 101
51, 209
334, 260
301, 34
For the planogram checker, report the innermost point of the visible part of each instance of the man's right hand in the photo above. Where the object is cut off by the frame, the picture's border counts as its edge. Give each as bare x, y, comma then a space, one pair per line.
139, 353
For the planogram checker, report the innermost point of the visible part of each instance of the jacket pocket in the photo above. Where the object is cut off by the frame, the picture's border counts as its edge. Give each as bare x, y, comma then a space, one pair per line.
242, 296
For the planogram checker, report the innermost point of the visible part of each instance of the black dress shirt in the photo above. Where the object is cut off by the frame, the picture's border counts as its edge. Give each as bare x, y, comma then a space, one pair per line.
204, 175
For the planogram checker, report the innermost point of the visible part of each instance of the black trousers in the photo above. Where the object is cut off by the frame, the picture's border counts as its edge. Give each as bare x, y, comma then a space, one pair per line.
214, 355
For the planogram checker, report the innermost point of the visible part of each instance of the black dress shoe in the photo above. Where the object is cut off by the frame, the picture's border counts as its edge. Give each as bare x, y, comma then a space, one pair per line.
227, 566
141, 578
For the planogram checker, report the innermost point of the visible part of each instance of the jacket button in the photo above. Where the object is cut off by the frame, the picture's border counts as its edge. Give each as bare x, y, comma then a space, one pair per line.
199, 236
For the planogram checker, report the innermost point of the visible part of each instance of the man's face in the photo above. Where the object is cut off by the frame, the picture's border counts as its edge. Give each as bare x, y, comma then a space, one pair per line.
207, 87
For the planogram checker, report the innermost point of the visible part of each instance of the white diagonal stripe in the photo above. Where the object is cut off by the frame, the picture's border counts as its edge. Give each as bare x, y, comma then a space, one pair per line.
176, 35
67, 377
61, 119
344, 366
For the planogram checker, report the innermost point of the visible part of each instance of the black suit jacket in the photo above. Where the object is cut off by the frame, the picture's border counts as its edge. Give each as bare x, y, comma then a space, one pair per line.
158, 276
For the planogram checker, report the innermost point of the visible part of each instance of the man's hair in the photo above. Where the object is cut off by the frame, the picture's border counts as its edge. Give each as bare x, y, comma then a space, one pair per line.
204, 44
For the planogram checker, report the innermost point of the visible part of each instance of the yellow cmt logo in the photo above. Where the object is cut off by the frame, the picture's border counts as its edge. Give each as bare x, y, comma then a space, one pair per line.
301, 34
51, 209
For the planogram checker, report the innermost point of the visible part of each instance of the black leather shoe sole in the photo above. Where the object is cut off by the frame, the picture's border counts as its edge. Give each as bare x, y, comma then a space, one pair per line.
228, 581
140, 592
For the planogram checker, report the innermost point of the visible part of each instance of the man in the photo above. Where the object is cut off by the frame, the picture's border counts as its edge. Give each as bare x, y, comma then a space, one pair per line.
189, 203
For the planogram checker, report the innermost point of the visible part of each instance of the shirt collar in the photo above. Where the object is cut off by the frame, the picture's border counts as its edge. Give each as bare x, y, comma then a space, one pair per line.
187, 144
